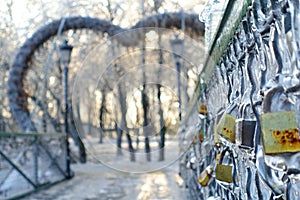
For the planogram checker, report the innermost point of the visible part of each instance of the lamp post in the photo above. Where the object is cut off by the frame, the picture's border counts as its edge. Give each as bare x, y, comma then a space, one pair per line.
177, 47
65, 59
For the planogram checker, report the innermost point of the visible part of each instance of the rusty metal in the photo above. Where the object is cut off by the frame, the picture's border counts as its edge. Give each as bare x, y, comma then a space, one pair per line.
280, 132
226, 127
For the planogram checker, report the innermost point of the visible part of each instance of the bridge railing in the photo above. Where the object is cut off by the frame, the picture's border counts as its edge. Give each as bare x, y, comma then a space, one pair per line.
30, 161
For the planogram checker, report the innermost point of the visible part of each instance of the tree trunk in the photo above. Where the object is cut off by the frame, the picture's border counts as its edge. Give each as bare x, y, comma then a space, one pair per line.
2, 125
89, 120
160, 111
137, 131
101, 111
137, 141
162, 127
16, 92
119, 141
145, 104
76, 137
145, 101
122, 100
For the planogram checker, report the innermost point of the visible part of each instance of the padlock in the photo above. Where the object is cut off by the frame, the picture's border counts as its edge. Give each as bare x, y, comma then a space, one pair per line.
280, 137
205, 176
202, 108
244, 130
217, 120
224, 173
200, 135
280, 132
226, 127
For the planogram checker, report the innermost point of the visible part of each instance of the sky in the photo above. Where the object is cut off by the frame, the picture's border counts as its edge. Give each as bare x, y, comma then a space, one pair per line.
21, 12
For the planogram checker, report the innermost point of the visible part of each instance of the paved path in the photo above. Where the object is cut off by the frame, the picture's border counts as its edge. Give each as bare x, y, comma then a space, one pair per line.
98, 182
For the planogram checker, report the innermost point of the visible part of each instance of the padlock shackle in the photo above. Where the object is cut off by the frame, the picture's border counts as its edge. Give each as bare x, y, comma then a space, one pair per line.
243, 109
293, 89
219, 115
222, 154
268, 96
231, 158
231, 107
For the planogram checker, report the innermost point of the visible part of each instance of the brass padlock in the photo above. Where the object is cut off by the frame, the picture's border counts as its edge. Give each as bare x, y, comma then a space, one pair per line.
280, 132
205, 176
202, 109
226, 127
224, 173
200, 135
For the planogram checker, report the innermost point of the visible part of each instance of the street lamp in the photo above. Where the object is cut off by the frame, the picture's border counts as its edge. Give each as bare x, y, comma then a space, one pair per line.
177, 47
65, 59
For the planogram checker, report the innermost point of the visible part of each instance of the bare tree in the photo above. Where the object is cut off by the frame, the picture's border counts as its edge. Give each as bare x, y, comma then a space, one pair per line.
16, 93
26, 72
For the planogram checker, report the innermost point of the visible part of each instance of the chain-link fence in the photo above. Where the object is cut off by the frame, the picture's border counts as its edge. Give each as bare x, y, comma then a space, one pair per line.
30, 161
246, 142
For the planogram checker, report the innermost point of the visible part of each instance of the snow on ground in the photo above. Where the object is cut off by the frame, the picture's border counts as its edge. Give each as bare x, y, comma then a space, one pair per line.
96, 181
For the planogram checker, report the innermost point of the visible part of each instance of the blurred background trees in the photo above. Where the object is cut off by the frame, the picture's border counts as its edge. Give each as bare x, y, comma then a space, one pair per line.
94, 112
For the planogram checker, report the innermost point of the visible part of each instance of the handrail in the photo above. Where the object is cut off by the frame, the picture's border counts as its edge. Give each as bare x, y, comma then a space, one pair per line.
234, 12
23, 134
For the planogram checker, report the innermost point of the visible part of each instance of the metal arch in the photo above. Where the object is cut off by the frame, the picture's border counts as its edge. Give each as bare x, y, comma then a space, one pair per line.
16, 93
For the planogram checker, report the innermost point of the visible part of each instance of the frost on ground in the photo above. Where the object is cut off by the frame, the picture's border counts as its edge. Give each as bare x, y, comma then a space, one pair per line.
97, 181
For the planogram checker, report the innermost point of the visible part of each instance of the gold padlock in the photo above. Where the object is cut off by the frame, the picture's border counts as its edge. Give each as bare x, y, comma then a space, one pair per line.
202, 109
205, 176
226, 127
280, 132
224, 173
200, 134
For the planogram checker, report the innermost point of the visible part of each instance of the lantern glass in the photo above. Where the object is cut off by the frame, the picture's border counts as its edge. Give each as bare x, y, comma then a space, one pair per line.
177, 46
65, 52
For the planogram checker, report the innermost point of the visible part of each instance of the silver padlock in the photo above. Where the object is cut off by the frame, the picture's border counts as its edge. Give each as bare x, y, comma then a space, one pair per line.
245, 130
216, 121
